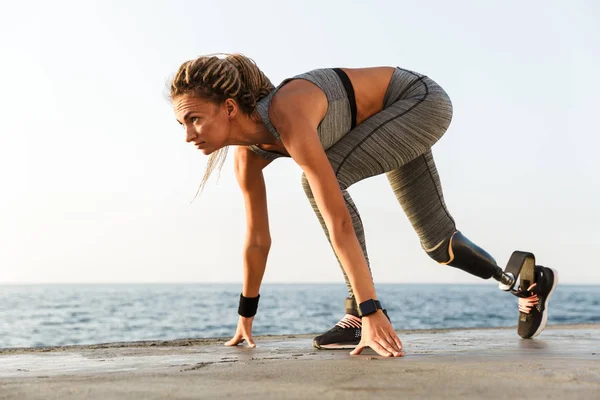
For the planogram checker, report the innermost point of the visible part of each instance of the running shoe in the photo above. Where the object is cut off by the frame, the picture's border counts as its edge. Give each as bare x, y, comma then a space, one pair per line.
346, 334
533, 301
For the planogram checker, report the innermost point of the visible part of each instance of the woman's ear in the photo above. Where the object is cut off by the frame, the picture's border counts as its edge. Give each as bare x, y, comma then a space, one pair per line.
231, 107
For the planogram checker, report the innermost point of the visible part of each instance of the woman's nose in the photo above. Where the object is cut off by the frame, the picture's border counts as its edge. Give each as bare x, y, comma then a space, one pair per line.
190, 134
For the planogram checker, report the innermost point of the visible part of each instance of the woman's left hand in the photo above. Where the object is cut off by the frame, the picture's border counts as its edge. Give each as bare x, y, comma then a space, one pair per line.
378, 334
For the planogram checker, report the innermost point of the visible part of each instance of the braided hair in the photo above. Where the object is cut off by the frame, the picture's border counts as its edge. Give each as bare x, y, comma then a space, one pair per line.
217, 79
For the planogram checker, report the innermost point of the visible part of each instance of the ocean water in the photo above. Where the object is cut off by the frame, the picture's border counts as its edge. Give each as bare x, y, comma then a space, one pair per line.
50, 315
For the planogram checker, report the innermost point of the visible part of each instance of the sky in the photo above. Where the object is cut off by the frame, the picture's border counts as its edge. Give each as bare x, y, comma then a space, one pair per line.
97, 181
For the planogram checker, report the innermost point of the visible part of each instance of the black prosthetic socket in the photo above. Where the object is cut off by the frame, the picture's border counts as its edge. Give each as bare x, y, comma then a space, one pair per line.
471, 258
440, 253
352, 307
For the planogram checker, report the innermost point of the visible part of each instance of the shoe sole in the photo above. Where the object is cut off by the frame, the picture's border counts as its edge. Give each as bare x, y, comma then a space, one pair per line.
335, 346
545, 316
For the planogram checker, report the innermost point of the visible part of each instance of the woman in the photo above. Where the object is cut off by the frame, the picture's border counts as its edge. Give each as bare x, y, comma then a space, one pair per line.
340, 126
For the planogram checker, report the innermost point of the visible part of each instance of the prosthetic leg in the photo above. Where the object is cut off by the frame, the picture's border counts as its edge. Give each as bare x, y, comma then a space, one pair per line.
471, 258
536, 283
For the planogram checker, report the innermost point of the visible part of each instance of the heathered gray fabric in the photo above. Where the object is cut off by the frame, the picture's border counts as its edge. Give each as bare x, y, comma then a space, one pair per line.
336, 122
396, 141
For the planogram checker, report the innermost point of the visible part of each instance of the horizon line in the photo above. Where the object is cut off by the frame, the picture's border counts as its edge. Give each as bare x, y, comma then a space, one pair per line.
264, 283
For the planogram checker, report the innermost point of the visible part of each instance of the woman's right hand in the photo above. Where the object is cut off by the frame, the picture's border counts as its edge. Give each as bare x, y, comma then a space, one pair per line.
243, 332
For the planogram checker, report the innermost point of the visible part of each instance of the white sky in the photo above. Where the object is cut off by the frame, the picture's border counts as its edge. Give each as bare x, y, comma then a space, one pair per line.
96, 177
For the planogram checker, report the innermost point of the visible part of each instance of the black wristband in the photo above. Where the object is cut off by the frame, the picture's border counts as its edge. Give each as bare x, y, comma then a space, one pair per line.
248, 306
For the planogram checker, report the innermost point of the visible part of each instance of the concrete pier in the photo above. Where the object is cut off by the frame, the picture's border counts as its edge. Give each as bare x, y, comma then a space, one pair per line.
563, 362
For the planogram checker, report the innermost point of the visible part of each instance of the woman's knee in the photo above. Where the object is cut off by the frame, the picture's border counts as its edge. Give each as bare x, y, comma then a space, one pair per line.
441, 252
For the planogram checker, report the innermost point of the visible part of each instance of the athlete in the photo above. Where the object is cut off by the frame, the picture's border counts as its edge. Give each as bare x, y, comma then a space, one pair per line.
340, 125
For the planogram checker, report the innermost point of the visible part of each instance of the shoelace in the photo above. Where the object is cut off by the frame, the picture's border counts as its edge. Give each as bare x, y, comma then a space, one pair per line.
350, 321
527, 303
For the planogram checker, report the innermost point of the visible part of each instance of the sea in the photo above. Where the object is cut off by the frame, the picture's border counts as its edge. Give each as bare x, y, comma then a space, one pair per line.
57, 315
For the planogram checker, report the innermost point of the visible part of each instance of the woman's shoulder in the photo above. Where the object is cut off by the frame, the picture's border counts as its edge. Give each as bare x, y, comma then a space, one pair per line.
298, 100
300, 96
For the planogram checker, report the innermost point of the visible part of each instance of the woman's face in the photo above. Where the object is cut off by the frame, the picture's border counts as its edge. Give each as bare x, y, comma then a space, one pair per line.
206, 124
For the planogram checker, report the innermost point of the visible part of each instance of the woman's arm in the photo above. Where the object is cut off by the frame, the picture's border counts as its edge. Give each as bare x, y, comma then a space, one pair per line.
295, 114
248, 170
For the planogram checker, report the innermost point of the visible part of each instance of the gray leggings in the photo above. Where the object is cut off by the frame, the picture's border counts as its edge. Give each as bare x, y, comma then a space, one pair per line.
397, 141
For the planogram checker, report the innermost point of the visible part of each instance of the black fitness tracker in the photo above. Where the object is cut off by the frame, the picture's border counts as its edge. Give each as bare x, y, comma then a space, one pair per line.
369, 307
